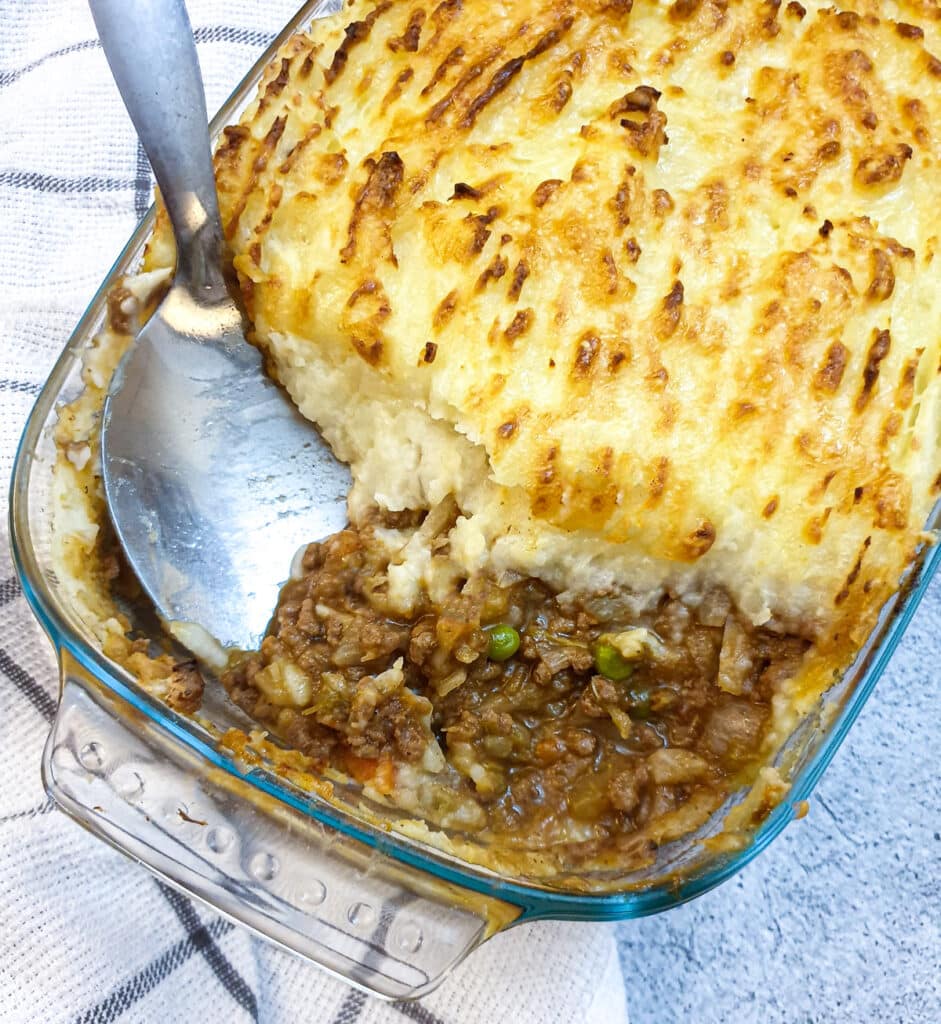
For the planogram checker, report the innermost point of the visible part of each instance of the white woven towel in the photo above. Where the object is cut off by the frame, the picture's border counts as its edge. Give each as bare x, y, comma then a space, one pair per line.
84, 934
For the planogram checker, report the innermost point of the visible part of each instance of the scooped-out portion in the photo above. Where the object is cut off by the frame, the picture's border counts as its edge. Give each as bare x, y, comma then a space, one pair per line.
500, 708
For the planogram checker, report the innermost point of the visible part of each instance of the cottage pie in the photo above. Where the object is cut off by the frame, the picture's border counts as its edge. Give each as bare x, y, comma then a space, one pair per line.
627, 319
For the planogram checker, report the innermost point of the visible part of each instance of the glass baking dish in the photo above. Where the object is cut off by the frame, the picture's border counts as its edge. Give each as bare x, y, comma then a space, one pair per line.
389, 914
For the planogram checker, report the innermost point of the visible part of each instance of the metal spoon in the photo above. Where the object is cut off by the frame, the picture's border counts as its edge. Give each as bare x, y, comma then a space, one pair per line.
213, 479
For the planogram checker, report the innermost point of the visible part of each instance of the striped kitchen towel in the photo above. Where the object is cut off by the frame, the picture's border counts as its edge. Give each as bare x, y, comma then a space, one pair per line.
85, 934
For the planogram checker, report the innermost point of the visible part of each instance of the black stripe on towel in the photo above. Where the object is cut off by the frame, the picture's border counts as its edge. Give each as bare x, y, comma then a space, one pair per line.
149, 977
9, 589
9, 77
349, 1010
89, 184
230, 34
33, 812
222, 967
203, 34
22, 387
416, 1012
28, 686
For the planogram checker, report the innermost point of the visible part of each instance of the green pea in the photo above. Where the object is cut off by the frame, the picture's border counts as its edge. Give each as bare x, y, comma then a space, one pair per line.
610, 662
503, 642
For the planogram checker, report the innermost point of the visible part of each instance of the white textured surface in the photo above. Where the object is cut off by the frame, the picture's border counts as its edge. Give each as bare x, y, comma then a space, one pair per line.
840, 919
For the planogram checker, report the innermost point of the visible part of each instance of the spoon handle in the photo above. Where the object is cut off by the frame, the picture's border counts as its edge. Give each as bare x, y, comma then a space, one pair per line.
149, 46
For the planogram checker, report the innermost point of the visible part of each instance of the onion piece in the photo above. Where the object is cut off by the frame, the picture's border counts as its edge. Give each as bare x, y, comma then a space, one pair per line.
736, 662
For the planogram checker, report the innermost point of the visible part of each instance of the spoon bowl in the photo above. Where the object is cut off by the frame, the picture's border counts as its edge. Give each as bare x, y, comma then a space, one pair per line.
213, 479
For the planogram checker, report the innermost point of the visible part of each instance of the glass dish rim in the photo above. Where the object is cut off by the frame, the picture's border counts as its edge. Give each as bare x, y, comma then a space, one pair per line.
535, 901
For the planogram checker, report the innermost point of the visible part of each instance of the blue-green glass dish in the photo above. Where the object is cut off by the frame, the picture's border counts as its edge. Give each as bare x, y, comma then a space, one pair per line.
390, 914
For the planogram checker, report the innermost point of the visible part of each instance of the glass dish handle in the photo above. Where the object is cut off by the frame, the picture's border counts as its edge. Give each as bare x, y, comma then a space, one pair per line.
381, 925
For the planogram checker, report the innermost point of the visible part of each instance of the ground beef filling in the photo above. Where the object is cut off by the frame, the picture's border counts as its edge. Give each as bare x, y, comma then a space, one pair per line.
539, 749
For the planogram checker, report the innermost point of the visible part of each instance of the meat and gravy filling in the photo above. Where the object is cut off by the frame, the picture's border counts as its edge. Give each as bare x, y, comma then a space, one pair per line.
502, 708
